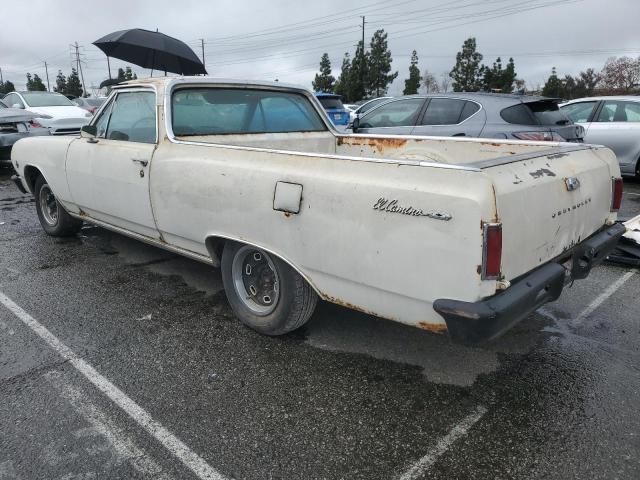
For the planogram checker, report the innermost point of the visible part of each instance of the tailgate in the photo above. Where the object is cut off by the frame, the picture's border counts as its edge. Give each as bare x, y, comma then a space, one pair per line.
548, 204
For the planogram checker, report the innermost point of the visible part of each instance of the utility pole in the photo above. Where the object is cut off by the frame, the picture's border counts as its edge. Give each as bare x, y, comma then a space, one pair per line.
1, 79
79, 66
46, 69
202, 45
363, 79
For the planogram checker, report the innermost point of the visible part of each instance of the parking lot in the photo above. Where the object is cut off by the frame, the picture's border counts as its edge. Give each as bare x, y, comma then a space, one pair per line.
119, 360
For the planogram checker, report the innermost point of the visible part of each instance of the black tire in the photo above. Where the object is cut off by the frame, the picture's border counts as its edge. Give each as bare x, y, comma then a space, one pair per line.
53, 217
294, 300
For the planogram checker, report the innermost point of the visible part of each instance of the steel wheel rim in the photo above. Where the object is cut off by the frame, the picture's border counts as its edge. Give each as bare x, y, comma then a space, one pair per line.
255, 280
48, 205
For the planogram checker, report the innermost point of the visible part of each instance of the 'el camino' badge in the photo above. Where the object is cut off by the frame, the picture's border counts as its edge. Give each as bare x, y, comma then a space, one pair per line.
391, 206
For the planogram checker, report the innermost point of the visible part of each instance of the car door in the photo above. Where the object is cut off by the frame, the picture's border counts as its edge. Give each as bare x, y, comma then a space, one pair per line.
450, 117
395, 117
109, 176
617, 126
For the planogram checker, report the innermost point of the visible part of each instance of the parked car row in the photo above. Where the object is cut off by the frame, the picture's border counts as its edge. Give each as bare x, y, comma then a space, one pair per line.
15, 124
610, 121
64, 116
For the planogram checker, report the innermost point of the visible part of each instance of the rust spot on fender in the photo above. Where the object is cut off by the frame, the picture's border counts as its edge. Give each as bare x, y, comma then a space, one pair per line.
380, 144
82, 213
438, 328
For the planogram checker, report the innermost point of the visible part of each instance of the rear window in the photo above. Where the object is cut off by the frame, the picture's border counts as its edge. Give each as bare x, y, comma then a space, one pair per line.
212, 111
329, 102
535, 113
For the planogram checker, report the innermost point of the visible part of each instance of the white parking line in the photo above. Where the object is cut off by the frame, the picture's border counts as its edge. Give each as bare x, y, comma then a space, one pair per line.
172, 443
611, 289
459, 430
124, 448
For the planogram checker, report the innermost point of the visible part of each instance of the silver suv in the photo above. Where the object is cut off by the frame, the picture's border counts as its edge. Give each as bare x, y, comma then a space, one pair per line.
488, 115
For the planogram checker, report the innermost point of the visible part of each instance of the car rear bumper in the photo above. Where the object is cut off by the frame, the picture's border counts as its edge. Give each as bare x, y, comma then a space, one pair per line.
477, 322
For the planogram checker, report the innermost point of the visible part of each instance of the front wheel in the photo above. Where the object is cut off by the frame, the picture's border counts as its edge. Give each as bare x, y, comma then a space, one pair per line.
53, 217
265, 293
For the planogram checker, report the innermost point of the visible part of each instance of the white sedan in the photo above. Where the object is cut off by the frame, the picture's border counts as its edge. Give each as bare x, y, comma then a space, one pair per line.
64, 116
613, 122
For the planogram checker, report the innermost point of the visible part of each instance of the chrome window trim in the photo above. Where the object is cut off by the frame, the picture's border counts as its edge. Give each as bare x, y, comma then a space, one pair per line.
170, 86
393, 100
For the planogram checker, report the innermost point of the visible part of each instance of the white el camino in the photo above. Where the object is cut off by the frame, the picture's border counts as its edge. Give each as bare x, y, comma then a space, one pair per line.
463, 235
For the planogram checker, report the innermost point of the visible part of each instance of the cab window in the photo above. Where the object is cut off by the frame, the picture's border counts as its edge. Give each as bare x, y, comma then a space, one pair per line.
130, 117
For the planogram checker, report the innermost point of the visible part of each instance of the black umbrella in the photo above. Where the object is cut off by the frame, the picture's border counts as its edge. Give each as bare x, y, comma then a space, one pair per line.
153, 50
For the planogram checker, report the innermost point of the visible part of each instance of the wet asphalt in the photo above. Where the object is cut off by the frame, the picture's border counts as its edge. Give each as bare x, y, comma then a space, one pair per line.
347, 397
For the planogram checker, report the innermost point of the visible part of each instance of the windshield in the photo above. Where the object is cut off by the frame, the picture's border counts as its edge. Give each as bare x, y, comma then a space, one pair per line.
34, 99
331, 102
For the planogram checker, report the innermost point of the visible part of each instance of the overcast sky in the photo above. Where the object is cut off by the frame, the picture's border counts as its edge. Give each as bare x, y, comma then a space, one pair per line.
284, 39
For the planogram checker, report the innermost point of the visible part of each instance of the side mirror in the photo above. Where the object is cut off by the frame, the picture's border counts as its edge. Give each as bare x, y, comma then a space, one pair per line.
89, 132
17, 105
355, 125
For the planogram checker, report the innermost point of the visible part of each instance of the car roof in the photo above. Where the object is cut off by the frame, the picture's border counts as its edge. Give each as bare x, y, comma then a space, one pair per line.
480, 96
628, 98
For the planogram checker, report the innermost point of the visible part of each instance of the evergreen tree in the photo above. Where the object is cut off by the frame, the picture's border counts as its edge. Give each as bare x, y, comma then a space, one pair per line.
467, 73
6, 87
498, 78
74, 87
34, 84
126, 74
379, 65
358, 75
412, 83
61, 83
342, 84
553, 87
324, 81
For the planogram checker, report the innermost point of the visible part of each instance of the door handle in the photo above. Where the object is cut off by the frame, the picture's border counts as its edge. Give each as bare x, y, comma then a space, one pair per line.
143, 163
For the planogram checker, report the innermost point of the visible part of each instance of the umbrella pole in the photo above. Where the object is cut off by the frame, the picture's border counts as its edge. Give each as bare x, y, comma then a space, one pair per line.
109, 67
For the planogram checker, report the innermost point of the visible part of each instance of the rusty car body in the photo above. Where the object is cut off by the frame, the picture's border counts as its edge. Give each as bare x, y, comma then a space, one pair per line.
460, 235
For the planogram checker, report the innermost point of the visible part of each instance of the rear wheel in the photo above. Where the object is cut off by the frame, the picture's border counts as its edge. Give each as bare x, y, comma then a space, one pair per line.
53, 217
265, 293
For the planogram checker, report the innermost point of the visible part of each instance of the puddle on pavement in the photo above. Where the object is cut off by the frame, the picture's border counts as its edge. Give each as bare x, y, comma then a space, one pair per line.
197, 275
338, 329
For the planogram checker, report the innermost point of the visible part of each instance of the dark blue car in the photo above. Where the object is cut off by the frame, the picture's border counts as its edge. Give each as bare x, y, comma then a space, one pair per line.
332, 103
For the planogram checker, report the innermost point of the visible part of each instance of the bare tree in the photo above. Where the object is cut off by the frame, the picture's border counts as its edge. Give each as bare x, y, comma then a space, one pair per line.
429, 83
445, 82
621, 73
